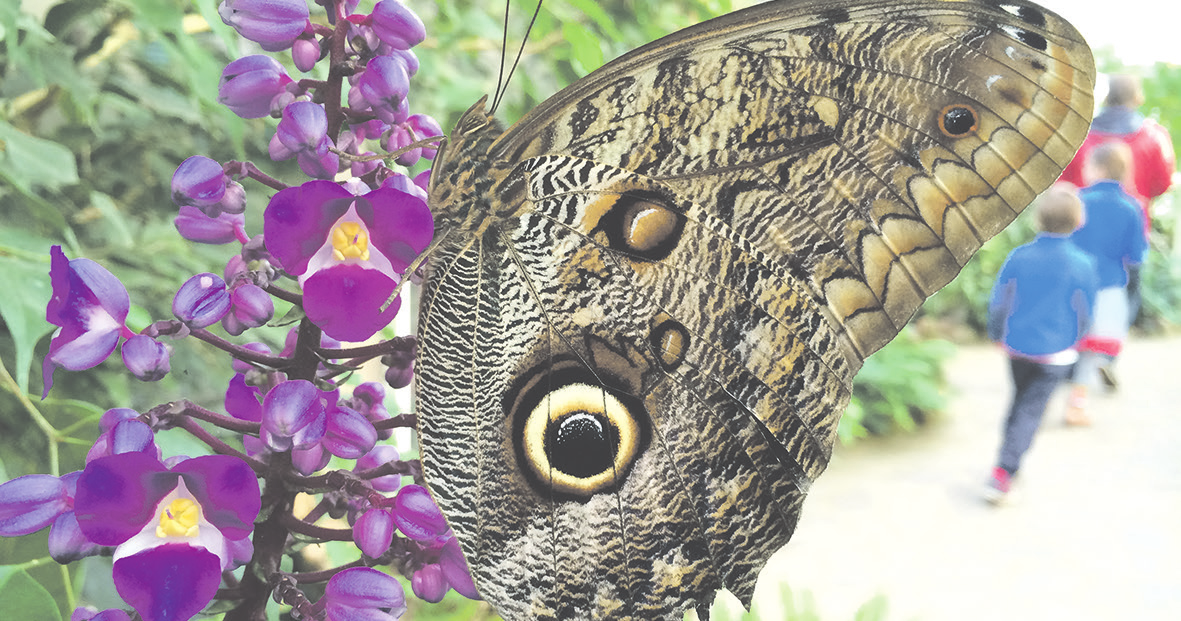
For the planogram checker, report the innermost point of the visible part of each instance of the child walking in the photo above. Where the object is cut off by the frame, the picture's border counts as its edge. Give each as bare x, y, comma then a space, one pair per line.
1113, 234
1039, 310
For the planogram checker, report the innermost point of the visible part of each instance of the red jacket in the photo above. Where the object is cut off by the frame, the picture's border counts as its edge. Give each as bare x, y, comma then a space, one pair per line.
1153, 161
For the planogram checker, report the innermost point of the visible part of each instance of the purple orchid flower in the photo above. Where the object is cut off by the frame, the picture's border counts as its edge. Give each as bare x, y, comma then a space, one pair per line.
89, 306
172, 528
347, 251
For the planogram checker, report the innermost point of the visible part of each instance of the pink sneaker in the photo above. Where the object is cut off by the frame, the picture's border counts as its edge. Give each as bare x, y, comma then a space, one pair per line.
998, 486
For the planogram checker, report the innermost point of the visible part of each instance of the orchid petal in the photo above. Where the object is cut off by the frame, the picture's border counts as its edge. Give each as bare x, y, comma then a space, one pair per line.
227, 490
172, 582
297, 221
117, 495
345, 301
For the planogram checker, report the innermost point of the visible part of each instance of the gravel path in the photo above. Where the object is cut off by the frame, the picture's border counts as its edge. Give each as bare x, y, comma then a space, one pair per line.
1093, 531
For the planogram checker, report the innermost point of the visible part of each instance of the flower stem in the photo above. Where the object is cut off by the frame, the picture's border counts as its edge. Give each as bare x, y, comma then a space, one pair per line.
50, 432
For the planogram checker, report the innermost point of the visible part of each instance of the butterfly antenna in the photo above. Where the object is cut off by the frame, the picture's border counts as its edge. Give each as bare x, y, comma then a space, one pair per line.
503, 53
520, 52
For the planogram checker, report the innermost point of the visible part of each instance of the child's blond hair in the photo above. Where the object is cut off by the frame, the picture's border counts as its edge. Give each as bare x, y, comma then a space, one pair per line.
1059, 210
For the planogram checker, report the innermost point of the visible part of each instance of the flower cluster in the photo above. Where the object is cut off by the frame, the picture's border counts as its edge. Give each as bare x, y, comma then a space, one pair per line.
185, 531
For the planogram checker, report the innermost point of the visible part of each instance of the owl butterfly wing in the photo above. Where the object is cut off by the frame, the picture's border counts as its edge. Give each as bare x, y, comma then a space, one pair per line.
632, 369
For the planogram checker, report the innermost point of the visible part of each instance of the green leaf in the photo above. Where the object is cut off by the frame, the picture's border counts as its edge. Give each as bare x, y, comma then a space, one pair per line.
27, 290
117, 229
33, 162
24, 598
587, 53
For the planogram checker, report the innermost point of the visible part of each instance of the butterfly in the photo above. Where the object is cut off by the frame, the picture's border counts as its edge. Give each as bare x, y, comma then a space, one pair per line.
651, 294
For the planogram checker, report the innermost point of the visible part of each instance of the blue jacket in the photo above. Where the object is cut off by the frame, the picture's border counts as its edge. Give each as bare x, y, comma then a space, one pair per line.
1043, 298
1113, 232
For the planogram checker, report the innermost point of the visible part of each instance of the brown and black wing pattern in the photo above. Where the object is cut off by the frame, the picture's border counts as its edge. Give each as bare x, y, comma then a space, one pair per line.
654, 290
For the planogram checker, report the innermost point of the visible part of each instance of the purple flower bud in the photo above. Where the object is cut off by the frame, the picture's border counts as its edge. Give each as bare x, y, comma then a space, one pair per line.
417, 515
199, 182
273, 24
195, 226
396, 25
408, 58
399, 368
114, 416
242, 399
305, 52
67, 543
146, 358
128, 436
30, 503
380, 456
90, 613
234, 201
456, 571
361, 588
425, 126
398, 138
293, 416
349, 434
423, 181
398, 181
249, 84
384, 85
202, 301
250, 307
304, 127
319, 165
369, 130
374, 532
429, 584
308, 461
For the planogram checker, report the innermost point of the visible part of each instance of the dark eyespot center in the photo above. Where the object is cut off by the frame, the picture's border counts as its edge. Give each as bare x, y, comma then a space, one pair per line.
582, 444
957, 120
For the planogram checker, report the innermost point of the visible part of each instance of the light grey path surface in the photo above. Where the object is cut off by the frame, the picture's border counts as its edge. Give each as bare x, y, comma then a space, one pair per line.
1093, 532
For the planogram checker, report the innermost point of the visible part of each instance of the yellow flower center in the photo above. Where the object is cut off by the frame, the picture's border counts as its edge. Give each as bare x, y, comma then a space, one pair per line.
350, 241
179, 519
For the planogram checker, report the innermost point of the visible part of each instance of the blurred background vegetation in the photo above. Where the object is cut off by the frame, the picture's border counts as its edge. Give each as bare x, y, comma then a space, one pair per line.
100, 100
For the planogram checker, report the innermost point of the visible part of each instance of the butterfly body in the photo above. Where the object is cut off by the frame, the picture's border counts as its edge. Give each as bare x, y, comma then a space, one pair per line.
652, 292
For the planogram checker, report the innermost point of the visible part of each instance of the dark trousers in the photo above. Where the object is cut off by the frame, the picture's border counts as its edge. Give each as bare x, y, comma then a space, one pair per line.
1033, 384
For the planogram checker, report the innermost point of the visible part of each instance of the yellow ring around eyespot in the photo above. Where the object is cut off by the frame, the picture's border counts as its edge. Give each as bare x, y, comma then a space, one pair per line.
569, 399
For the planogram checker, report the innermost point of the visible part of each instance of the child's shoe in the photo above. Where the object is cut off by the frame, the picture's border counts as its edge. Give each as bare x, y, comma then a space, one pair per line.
998, 486
1076, 409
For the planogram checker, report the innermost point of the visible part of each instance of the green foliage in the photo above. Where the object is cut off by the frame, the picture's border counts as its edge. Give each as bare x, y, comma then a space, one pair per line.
898, 388
24, 597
